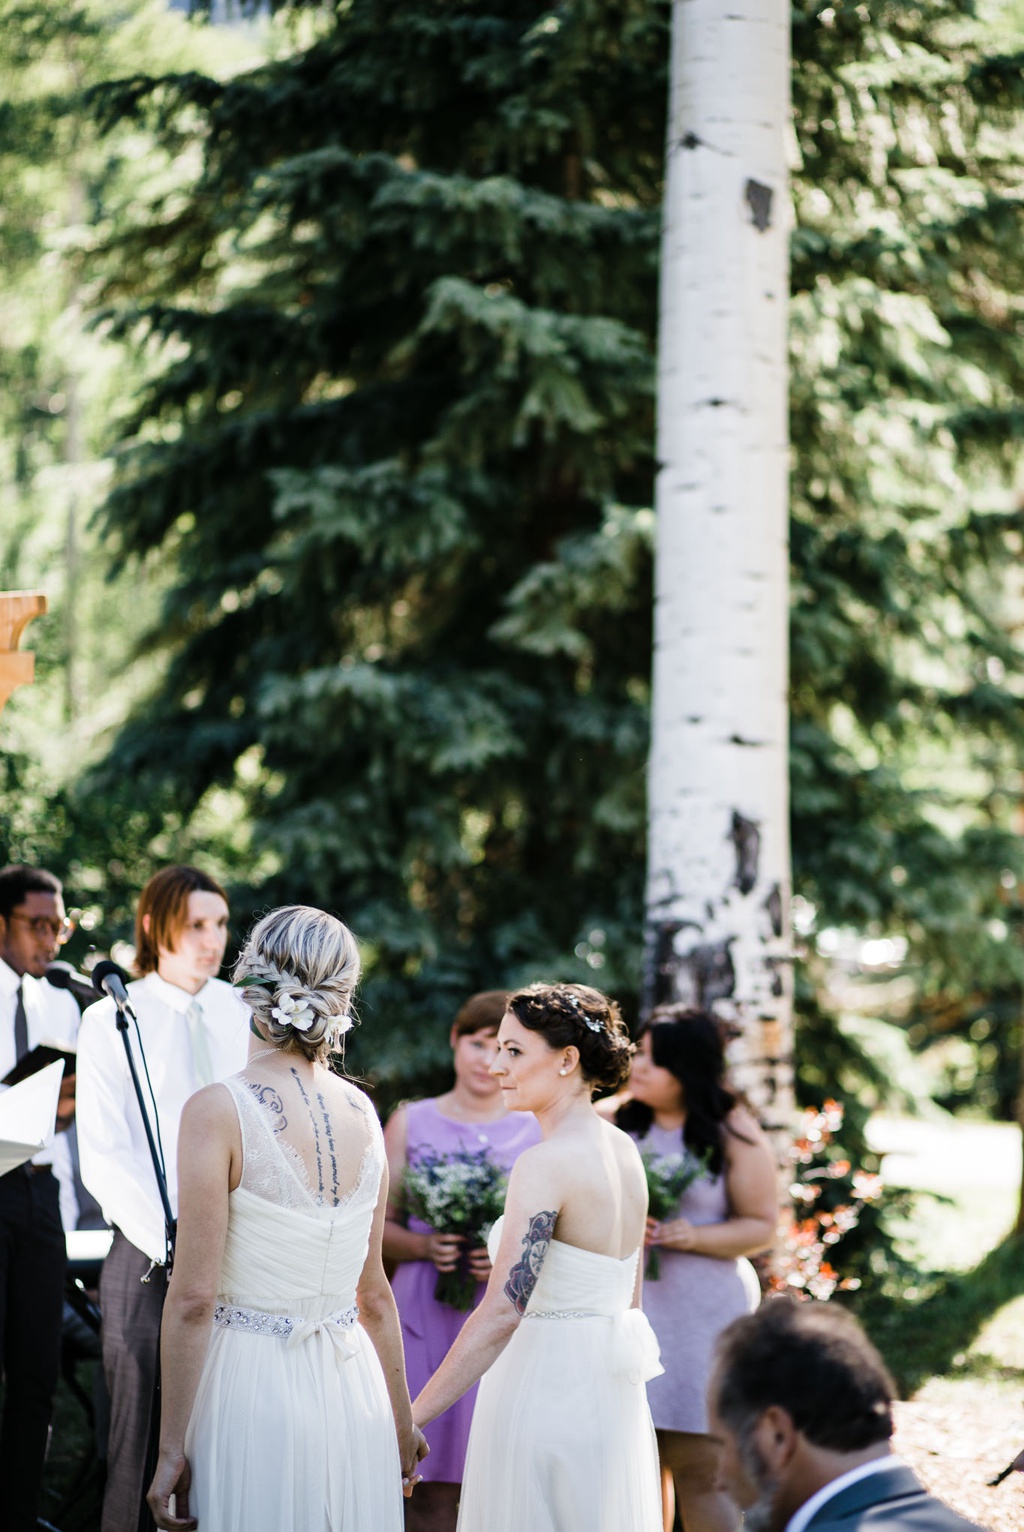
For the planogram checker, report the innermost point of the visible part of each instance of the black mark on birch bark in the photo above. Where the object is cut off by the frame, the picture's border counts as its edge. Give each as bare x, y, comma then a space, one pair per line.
746, 837
773, 904
759, 198
697, 978
659, 977
710, 972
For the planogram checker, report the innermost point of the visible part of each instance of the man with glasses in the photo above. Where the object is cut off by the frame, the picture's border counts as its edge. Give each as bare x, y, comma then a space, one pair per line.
800, 1404
32, 1250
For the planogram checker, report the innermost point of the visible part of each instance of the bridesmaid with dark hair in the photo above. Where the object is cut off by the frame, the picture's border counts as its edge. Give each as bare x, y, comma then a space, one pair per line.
678, 1098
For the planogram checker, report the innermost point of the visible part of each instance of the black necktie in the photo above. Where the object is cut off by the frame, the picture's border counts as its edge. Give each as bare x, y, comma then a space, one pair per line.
20, 1025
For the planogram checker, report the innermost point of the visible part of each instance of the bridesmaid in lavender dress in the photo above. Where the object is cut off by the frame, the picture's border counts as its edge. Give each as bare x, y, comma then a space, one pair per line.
469, 1117
678, 1097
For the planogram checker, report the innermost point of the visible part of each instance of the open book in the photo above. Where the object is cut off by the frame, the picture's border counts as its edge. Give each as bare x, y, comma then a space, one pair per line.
49, 1051
27, 1115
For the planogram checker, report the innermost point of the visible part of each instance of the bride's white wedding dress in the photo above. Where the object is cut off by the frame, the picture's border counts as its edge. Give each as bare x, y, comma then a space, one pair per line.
291, 1430
562, 1439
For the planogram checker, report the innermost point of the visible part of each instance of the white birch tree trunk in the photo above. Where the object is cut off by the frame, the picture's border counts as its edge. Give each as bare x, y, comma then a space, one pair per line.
718, 871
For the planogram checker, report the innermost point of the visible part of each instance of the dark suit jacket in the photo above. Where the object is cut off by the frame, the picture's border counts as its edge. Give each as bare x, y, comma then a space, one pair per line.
893, 1501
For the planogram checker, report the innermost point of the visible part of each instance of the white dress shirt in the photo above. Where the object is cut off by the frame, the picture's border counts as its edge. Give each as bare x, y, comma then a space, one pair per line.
799, 1521
115, 1161
51, 1016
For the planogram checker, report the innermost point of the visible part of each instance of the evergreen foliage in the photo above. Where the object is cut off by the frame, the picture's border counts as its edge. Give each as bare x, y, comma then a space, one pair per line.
400, 452
907, 367
395, 448
67, 188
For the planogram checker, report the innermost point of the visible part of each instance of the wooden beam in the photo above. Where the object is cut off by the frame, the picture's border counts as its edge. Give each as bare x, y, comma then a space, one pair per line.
17, 609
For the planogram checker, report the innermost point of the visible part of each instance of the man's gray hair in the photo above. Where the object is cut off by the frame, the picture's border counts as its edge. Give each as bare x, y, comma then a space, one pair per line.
814, 1361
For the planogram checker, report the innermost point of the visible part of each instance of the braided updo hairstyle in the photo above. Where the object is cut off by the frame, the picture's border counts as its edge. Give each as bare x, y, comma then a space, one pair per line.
304, 963
574, 1015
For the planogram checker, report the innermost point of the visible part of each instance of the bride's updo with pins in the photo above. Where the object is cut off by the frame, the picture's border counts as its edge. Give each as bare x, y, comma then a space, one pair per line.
297, 973
575, 1015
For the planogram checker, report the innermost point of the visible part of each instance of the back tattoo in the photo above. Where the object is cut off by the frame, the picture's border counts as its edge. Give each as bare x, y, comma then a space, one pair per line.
522, 1279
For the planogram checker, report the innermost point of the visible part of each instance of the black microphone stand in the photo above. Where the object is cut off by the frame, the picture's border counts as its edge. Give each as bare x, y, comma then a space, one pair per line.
170, 1226
124, 1012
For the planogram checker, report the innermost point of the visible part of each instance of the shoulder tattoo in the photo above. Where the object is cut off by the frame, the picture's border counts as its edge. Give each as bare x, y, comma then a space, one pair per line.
522, 1279
267, 1096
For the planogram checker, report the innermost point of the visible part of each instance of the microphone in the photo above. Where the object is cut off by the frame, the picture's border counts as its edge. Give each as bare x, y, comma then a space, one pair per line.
110, 980
63, 976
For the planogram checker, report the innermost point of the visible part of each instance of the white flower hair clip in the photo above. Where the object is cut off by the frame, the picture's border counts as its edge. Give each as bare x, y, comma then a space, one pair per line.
294, 1013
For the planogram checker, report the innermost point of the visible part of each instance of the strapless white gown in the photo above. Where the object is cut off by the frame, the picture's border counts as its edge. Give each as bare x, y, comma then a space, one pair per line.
291, 1429
562, 1439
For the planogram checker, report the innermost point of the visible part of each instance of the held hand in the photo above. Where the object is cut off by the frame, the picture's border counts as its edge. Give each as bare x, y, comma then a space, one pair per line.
651, 1231
173, 1477
413, 1449
479, 1264
673, 1234
443, 1250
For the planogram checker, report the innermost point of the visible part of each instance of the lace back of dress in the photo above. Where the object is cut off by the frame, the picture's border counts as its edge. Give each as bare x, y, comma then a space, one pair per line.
299, 1151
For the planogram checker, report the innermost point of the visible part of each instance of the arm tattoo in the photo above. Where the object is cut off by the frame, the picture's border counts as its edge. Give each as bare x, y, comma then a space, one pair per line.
522, 1279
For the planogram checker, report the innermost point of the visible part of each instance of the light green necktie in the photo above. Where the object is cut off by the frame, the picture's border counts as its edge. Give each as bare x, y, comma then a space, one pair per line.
201, 1061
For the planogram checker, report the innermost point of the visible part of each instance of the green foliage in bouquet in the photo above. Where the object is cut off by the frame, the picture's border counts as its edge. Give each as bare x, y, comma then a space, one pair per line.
460, 1194
668, 1177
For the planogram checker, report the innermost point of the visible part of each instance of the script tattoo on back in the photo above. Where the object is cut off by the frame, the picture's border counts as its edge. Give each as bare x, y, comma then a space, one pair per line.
522, 1279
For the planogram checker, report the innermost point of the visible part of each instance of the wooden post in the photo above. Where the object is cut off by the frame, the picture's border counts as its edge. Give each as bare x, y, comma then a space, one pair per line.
17, 609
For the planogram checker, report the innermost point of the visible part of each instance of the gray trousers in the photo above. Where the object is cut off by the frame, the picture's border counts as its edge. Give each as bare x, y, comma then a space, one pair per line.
131, 1312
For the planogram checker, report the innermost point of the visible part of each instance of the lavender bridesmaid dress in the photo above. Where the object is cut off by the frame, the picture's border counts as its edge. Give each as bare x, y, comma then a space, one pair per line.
429, 1327
692, 1301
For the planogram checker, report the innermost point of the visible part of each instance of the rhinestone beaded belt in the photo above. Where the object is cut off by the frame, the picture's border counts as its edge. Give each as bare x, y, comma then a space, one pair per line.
258, 1322
563, 1314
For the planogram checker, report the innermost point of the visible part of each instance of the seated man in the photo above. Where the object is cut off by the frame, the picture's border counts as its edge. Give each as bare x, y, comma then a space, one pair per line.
802, 1404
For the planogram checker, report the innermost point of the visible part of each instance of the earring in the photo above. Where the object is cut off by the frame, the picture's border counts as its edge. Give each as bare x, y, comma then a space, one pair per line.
563, 1071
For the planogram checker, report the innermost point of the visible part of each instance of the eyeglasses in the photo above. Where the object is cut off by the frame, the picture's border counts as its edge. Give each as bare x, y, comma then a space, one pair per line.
46, 925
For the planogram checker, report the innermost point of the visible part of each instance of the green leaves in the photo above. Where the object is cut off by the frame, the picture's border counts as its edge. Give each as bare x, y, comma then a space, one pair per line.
393, 456
397, 442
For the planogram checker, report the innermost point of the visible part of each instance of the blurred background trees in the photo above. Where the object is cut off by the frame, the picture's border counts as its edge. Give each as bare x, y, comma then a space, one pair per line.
68, 188
396, 442
372, 387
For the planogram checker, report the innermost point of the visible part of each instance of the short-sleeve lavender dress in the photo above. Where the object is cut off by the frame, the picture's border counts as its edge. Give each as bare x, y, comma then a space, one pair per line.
429, 1327
692, 1301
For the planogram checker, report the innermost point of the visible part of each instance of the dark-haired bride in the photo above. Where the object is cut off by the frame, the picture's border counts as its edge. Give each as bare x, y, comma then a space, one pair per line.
284, 1397
562, 1439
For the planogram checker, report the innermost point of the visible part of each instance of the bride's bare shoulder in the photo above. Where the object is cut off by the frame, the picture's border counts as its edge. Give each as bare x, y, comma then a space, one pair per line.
346, 1096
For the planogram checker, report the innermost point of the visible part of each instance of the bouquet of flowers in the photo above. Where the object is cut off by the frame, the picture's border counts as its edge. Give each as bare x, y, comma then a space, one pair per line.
668, 1176
456, 1194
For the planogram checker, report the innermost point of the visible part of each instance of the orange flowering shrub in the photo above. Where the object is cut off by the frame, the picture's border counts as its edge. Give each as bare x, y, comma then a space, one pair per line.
827, 1198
